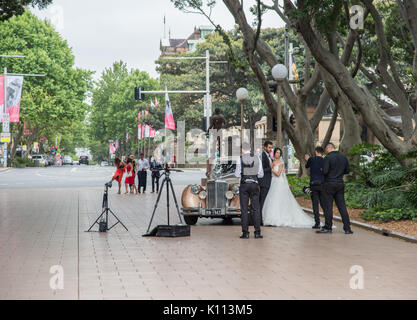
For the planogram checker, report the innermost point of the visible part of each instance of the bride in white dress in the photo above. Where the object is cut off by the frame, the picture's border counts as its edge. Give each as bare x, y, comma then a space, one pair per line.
280, 207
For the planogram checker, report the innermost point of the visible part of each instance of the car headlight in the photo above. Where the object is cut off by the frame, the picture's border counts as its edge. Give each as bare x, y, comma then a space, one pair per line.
229, 195
235, 189
195, 188
202, 195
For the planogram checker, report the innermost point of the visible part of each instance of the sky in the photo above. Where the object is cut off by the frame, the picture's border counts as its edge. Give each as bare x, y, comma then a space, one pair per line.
101, 32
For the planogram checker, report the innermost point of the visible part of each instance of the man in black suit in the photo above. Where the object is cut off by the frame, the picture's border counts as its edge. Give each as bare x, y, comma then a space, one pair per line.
315, 164
335, 166
155, 167
265, 182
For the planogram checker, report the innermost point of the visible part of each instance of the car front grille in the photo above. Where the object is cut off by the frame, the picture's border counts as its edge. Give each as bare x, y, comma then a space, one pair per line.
216, 193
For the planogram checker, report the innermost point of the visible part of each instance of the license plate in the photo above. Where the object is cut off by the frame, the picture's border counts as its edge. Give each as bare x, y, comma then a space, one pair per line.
214, 211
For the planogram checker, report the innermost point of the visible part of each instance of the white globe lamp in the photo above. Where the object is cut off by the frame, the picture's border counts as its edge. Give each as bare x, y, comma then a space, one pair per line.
279, 72
241, 94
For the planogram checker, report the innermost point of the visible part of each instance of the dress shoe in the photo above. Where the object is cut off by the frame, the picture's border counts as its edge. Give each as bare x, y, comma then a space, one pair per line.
245, 235
324, 230
316, 226
258, 235
348, 231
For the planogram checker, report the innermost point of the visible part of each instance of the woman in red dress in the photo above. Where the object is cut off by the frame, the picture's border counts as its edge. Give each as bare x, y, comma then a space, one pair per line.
118, 175
130, 177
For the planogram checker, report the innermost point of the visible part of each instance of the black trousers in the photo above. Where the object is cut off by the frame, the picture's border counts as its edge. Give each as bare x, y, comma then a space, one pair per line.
263, 193
250, 191
155, 180
317, 199
142, 175
335, 192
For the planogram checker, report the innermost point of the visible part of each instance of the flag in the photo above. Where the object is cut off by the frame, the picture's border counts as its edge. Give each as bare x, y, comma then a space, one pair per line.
156, 102
152, 132
127, 136
169, 117
294, 69
147, 131
14, 86
26, 130
139, 131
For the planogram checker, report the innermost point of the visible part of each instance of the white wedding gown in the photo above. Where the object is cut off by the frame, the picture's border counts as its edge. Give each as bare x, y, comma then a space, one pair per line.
280, 206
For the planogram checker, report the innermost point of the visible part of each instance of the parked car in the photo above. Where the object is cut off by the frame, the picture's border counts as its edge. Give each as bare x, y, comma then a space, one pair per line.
219, 198
104, 163
83, 160
68, 160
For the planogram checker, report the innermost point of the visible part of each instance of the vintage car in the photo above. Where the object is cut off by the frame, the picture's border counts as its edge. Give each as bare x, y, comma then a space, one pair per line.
218, 198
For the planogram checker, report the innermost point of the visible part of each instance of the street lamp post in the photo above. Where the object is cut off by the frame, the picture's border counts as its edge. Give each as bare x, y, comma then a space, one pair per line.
279, 72
241, 95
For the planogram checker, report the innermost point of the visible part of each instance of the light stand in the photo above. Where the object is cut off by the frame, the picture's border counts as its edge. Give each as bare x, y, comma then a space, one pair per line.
103, 224
168, 230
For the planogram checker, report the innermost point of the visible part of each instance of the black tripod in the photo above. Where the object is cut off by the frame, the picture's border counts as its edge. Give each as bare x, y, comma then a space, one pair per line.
103, 225
168, 182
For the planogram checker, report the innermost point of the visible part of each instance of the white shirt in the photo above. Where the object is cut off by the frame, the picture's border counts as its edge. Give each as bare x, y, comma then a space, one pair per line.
143, 164
238, 170
269, 157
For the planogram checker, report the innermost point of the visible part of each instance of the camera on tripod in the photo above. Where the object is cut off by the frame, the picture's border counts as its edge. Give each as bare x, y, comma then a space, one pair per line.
109, 184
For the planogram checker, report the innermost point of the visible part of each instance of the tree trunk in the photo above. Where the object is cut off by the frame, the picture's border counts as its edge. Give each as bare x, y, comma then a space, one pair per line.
352, 90
16, 140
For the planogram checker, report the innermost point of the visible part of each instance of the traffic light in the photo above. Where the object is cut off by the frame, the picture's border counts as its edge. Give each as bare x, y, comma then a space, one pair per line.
138, 93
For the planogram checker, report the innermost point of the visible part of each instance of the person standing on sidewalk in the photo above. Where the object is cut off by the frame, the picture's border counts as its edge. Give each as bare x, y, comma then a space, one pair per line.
335, 166
249, 169
315, 164
155, 167
265, 181
143, 166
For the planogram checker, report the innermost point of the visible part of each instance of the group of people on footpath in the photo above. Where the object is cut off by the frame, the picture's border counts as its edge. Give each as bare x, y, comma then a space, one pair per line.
265, 187
128, 167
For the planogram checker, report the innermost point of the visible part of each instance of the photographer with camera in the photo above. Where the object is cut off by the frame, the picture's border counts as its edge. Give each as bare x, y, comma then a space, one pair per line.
118, 175
315, 164
155, 167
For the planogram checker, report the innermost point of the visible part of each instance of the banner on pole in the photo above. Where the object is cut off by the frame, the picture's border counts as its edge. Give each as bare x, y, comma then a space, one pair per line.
14, 85
169, 117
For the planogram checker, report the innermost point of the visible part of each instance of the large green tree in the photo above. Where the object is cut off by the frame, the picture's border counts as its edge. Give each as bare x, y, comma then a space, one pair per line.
50, 104
115, 111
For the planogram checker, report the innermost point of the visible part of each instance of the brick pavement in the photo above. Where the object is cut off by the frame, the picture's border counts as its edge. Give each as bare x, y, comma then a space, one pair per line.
41, 228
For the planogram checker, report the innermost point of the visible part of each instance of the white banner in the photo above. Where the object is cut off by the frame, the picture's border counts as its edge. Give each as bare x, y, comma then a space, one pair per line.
14, 86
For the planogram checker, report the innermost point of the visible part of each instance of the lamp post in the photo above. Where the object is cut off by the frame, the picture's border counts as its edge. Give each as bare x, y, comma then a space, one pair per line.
279, 72
241, 95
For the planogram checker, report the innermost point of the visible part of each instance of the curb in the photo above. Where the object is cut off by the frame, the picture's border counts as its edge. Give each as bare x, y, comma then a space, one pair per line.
5, 169
384, 232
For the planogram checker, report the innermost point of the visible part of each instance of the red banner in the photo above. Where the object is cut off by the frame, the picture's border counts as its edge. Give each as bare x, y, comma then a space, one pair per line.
169, 117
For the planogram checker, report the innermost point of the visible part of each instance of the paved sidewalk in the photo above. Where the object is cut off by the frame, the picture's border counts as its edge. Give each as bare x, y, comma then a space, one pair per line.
45, 227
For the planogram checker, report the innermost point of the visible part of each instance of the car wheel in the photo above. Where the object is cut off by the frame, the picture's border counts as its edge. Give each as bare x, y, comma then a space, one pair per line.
191, 220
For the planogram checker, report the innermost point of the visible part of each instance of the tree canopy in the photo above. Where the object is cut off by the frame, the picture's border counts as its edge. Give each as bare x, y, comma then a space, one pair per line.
50, 104
10, 8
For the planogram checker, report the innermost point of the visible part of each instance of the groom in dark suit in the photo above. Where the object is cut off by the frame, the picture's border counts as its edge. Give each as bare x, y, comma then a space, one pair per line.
265, 182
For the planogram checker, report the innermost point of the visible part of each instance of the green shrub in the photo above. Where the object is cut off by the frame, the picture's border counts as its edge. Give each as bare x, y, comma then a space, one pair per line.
384, 215
22, 163
297, 184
